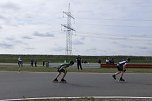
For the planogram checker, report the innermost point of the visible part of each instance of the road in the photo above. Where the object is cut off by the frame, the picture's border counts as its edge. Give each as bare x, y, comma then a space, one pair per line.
35, 85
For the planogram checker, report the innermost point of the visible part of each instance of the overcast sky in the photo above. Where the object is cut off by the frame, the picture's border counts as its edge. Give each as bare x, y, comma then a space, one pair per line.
103, 27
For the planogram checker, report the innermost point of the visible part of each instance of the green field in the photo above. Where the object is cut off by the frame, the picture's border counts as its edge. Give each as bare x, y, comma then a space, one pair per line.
94, 99
11, 58
52, 69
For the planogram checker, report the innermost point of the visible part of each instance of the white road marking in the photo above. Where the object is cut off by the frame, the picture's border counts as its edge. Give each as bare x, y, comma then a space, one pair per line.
96, 97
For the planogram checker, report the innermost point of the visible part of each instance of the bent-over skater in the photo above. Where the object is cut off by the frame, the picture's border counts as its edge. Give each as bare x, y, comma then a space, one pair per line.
121, 66
62, 68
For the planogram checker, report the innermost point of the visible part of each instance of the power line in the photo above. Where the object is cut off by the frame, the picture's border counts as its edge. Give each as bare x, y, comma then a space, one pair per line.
107, 35
133, 24
121, 19
112, 25
130, 19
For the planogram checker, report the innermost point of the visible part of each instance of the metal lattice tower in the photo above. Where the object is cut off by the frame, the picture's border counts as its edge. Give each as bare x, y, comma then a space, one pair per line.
69, 31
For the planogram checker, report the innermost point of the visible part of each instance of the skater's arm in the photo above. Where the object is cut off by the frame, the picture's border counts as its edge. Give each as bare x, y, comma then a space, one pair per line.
63, 66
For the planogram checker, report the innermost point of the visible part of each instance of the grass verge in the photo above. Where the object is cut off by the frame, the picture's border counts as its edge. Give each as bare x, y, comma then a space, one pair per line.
51, 69
94, 99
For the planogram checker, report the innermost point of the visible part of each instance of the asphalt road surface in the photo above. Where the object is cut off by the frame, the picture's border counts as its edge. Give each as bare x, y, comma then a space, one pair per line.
35, 85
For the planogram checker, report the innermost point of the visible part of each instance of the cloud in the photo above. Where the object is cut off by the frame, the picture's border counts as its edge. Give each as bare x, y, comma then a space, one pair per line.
47, 34
143, 47
2, 17
29, 48
6, 46
102, 27
11, 41
27, 37
77, 42
9, 6
59, 49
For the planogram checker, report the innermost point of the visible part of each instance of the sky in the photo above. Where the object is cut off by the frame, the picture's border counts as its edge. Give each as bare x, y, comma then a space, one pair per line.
103, 27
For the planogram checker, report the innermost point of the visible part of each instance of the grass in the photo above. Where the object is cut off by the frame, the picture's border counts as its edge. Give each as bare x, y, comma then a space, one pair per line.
51, 69
12, 58
94, 99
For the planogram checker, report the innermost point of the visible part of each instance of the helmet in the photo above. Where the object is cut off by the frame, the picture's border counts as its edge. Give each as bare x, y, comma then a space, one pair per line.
71, 62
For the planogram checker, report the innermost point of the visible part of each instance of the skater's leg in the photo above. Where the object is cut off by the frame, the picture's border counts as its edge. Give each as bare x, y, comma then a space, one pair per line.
117, 73
114, 76
121, 74
58, 75
64, 75
119, 70
121, 77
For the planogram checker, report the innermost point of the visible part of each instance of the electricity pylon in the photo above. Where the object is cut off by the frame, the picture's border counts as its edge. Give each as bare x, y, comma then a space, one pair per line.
69, 31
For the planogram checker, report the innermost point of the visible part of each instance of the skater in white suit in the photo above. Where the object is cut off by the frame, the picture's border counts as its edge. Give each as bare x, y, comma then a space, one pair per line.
121, 66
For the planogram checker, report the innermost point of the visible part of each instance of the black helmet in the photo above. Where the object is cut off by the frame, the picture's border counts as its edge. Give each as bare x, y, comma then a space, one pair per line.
71, 62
